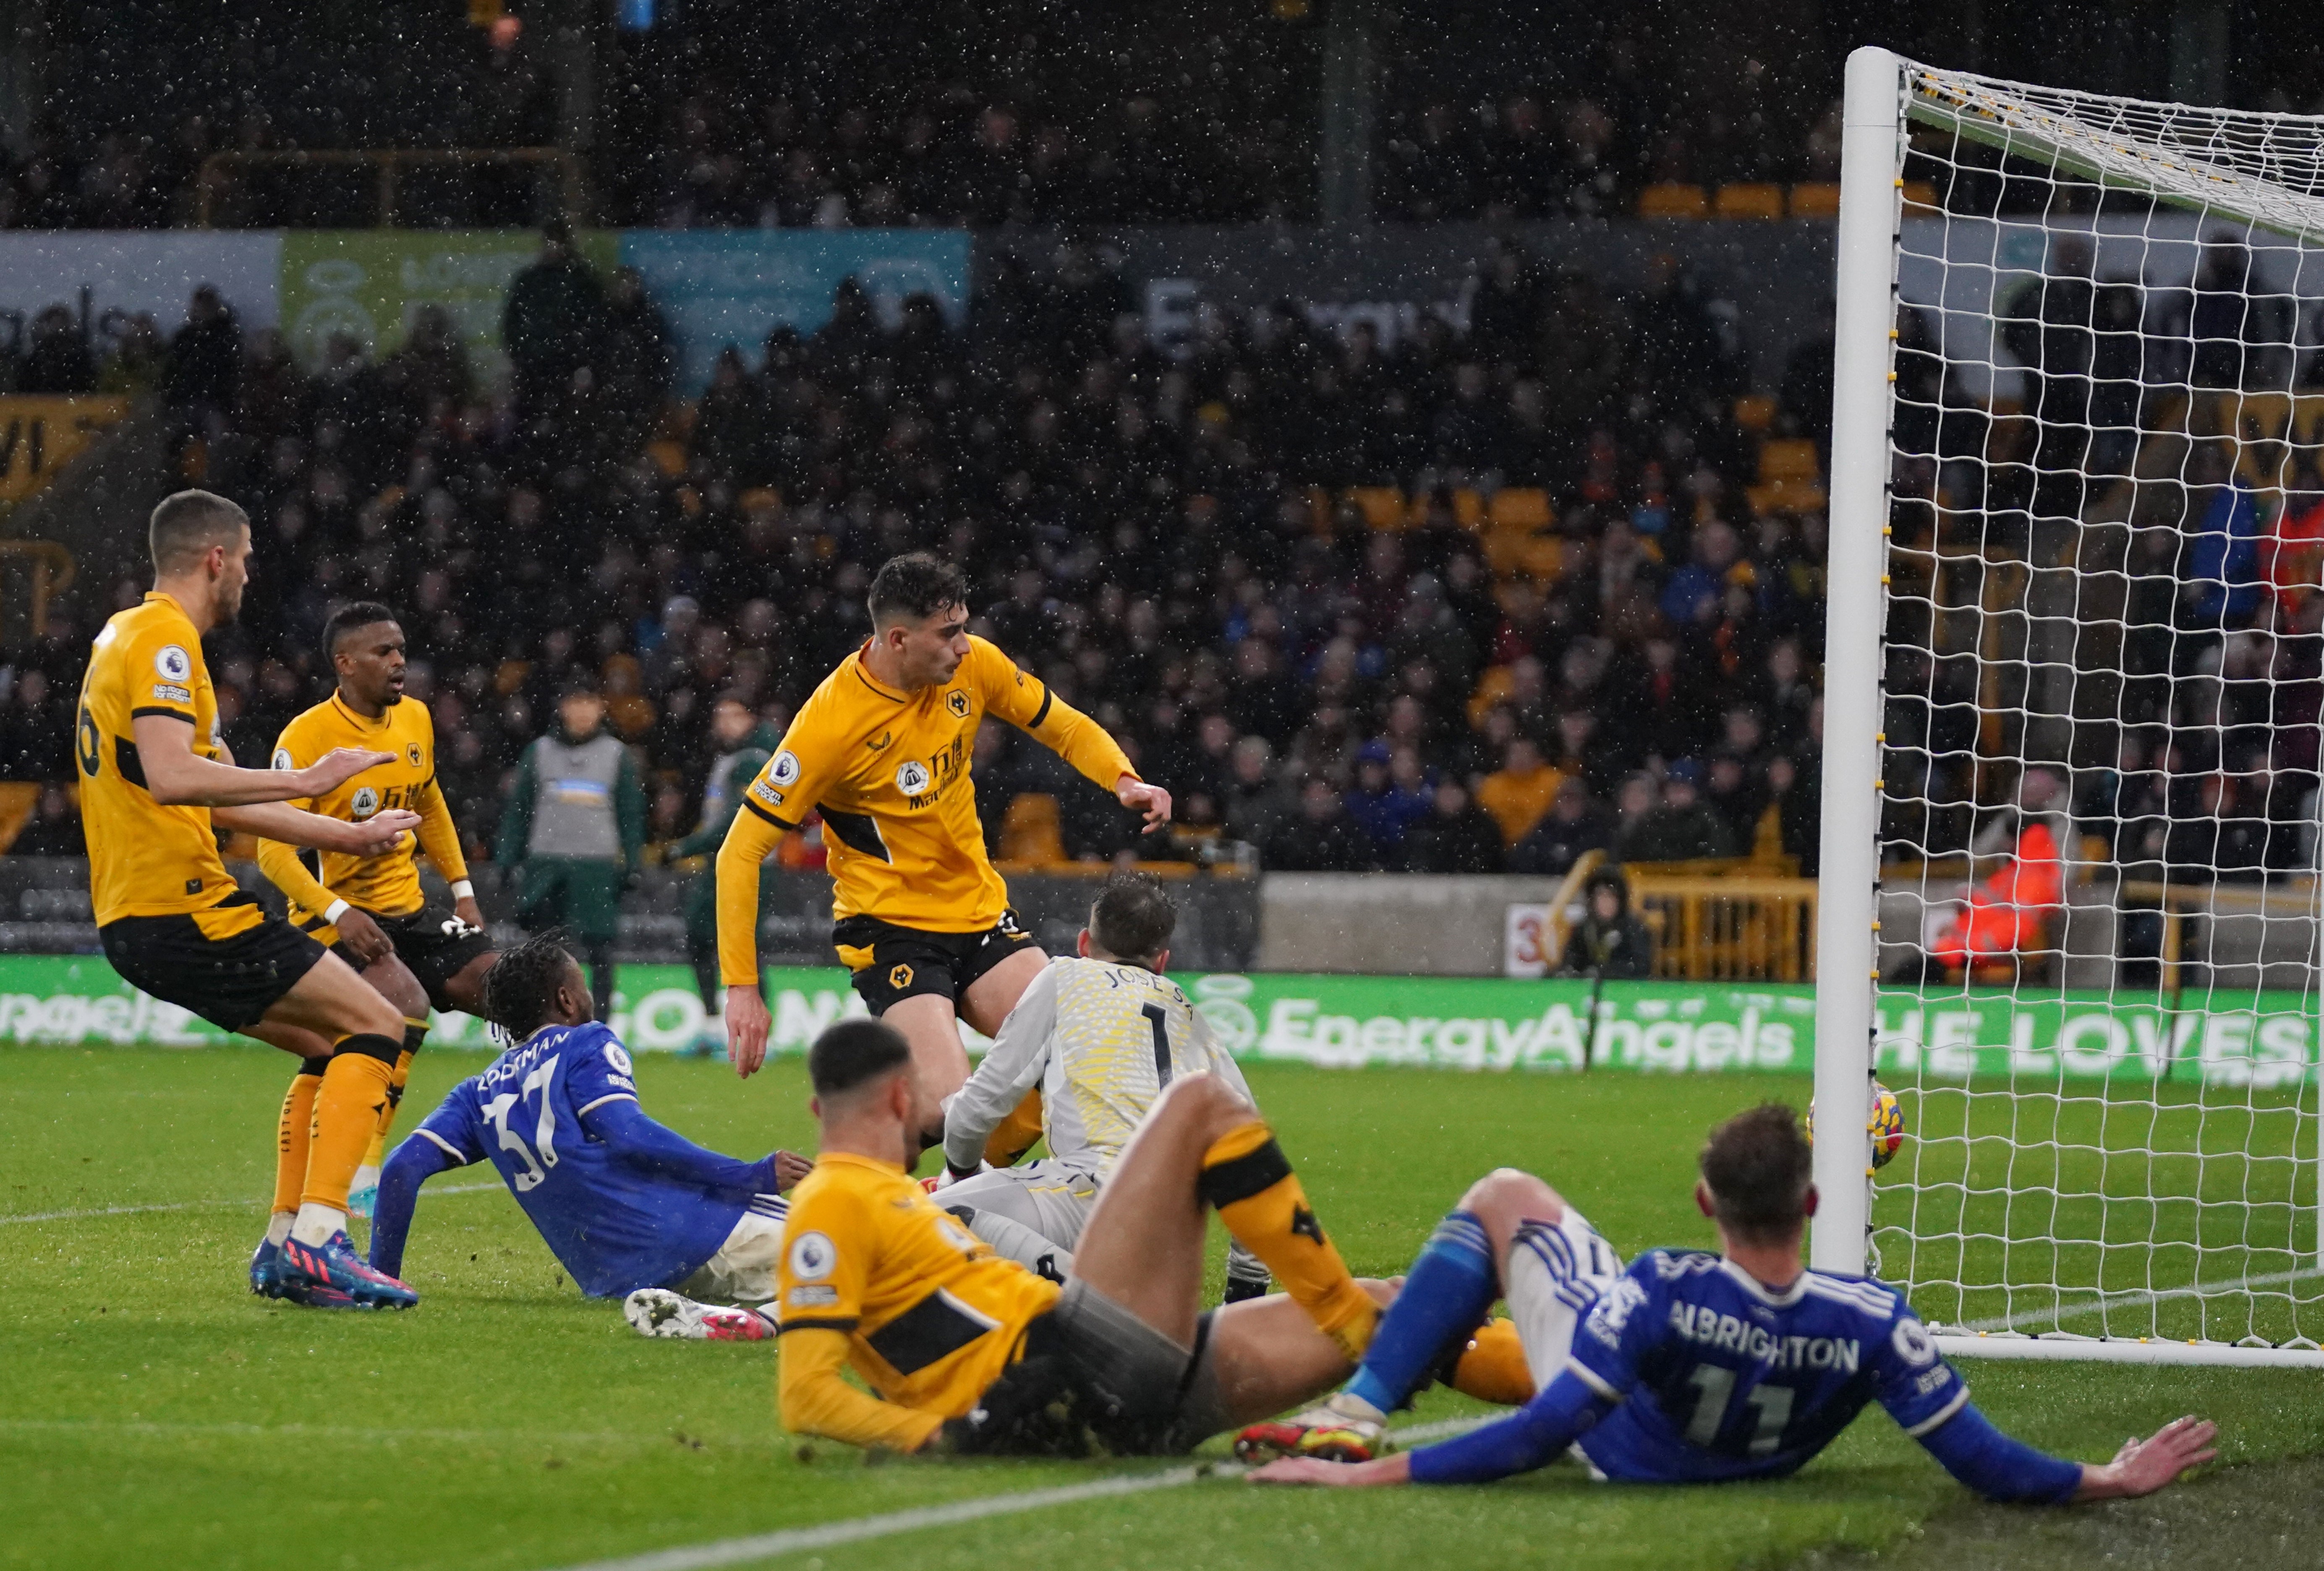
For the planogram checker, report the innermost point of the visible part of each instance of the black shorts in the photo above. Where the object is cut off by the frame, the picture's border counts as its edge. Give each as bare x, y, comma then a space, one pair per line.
229, 981
1091, 1376
433, 943
893, 963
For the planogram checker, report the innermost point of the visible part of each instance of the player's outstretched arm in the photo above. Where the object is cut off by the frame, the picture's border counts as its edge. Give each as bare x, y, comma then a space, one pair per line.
2142, 1467
279, 820
177, 777
1067, 732
413, 1162
1981, 1457
638, 1141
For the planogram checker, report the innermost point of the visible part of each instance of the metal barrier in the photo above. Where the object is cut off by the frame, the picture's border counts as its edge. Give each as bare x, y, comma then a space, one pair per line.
223, 171
1732, 928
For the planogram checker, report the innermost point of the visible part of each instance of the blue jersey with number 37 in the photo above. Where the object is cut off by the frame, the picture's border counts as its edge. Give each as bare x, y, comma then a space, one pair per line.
615, 1225
1718, 1377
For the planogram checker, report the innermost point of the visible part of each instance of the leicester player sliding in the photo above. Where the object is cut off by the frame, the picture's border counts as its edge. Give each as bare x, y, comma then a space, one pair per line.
882, 748
622, 1201
371, 911
1690, 1368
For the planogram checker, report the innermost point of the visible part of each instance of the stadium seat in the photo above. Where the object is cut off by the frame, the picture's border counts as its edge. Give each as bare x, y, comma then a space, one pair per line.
1544, 560
1383, 506
1815, 199
1505, 551
1468, 510
18, 798
1750, 199
669, 457
1755, 411
1788, 458
1029, 831
1674, 201
1492, 687
1785, 496
1920, 197
1519, 508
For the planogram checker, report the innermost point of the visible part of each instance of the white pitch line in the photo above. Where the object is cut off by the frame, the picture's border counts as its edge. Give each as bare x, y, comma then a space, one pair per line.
326, 1432
2132, 1297
198, 1206
855, 1531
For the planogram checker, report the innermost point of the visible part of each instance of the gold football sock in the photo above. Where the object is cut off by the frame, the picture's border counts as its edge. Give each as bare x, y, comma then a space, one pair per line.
415, 1033
292, 1135
1247, 1178
348, 1112
1015, 1135
1493, 1368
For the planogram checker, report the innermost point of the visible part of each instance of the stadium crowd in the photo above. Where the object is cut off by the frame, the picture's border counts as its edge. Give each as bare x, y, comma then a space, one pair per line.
1159, 539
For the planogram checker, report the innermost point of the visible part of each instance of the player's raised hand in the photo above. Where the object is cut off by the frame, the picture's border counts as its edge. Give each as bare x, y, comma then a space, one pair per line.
1140, 797
337, 767
2144, 1467
374, 836
747, 1025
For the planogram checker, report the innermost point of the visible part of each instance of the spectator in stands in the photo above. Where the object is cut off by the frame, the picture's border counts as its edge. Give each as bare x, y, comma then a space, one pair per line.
1389, 796
1320, 837
2005, 915
205, 356
1520, 791
1608, 941
552, 324
1681, 827
1454, 836
36, 731
56, 359
53, 829
1573, 826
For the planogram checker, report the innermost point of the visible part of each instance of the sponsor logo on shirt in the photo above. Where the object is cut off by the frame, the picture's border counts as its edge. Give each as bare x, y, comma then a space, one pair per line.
765, 793
818, 1295
366, 803
173, 663
172, 691
912, 778
882, 745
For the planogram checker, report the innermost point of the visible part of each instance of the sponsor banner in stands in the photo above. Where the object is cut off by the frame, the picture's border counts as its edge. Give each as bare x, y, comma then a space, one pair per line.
1444, 1022
118, 274
372, 282
719, 287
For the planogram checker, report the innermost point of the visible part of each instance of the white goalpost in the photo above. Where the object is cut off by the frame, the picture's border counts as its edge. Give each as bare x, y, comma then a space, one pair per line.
2070, 897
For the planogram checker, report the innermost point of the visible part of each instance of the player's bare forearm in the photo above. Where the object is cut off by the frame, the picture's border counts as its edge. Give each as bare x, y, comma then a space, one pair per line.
176, 775
2142, 1467
1393, 1469
279, 820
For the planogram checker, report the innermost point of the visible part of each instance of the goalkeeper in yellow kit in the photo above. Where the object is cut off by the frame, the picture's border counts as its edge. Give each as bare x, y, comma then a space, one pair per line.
883, 749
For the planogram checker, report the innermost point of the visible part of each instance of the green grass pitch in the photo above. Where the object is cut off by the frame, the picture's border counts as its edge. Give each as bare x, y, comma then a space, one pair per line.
152, 1412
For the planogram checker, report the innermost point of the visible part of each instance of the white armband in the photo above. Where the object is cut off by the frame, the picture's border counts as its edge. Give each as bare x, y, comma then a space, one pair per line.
462, 889
334, 911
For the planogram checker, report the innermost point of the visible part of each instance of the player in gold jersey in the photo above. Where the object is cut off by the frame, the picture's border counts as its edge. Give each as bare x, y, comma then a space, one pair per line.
882, 748
371, 910
971, 1351
157, 783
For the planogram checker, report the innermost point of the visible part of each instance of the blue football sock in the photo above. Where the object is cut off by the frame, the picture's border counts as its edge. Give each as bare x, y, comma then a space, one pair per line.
1445, 1295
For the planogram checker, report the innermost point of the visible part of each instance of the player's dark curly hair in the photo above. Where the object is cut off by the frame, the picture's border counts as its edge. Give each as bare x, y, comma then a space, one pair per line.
917, 584
360, 613
1133, 918
521, 988
1758, 1165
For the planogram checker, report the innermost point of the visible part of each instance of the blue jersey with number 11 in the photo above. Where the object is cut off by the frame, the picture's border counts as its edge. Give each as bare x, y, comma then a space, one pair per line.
1718, 1377
613, 1225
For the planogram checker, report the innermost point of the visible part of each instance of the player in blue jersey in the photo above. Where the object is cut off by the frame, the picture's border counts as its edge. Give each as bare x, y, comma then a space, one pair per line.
629, 1207
1692, 1367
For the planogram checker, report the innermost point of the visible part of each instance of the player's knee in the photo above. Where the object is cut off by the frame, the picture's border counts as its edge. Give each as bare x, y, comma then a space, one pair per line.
1204, 1100
370, 1013
1508, 1196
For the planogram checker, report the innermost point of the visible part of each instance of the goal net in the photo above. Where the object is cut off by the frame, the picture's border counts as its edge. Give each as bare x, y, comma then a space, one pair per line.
2070, 907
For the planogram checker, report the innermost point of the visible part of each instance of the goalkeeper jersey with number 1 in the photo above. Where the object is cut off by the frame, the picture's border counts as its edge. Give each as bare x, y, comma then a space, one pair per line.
613, 1226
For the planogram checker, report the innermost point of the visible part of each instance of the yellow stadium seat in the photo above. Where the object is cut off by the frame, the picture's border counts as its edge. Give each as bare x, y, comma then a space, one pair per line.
669, 457
1920, 197
1750, 199
1674, 201
1469, 508
1785, 496
1544, 559
1029, 831
1505, 551
1519, 508
1815, 199
1755, 411
1788, 458
18, 798
1382, 506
